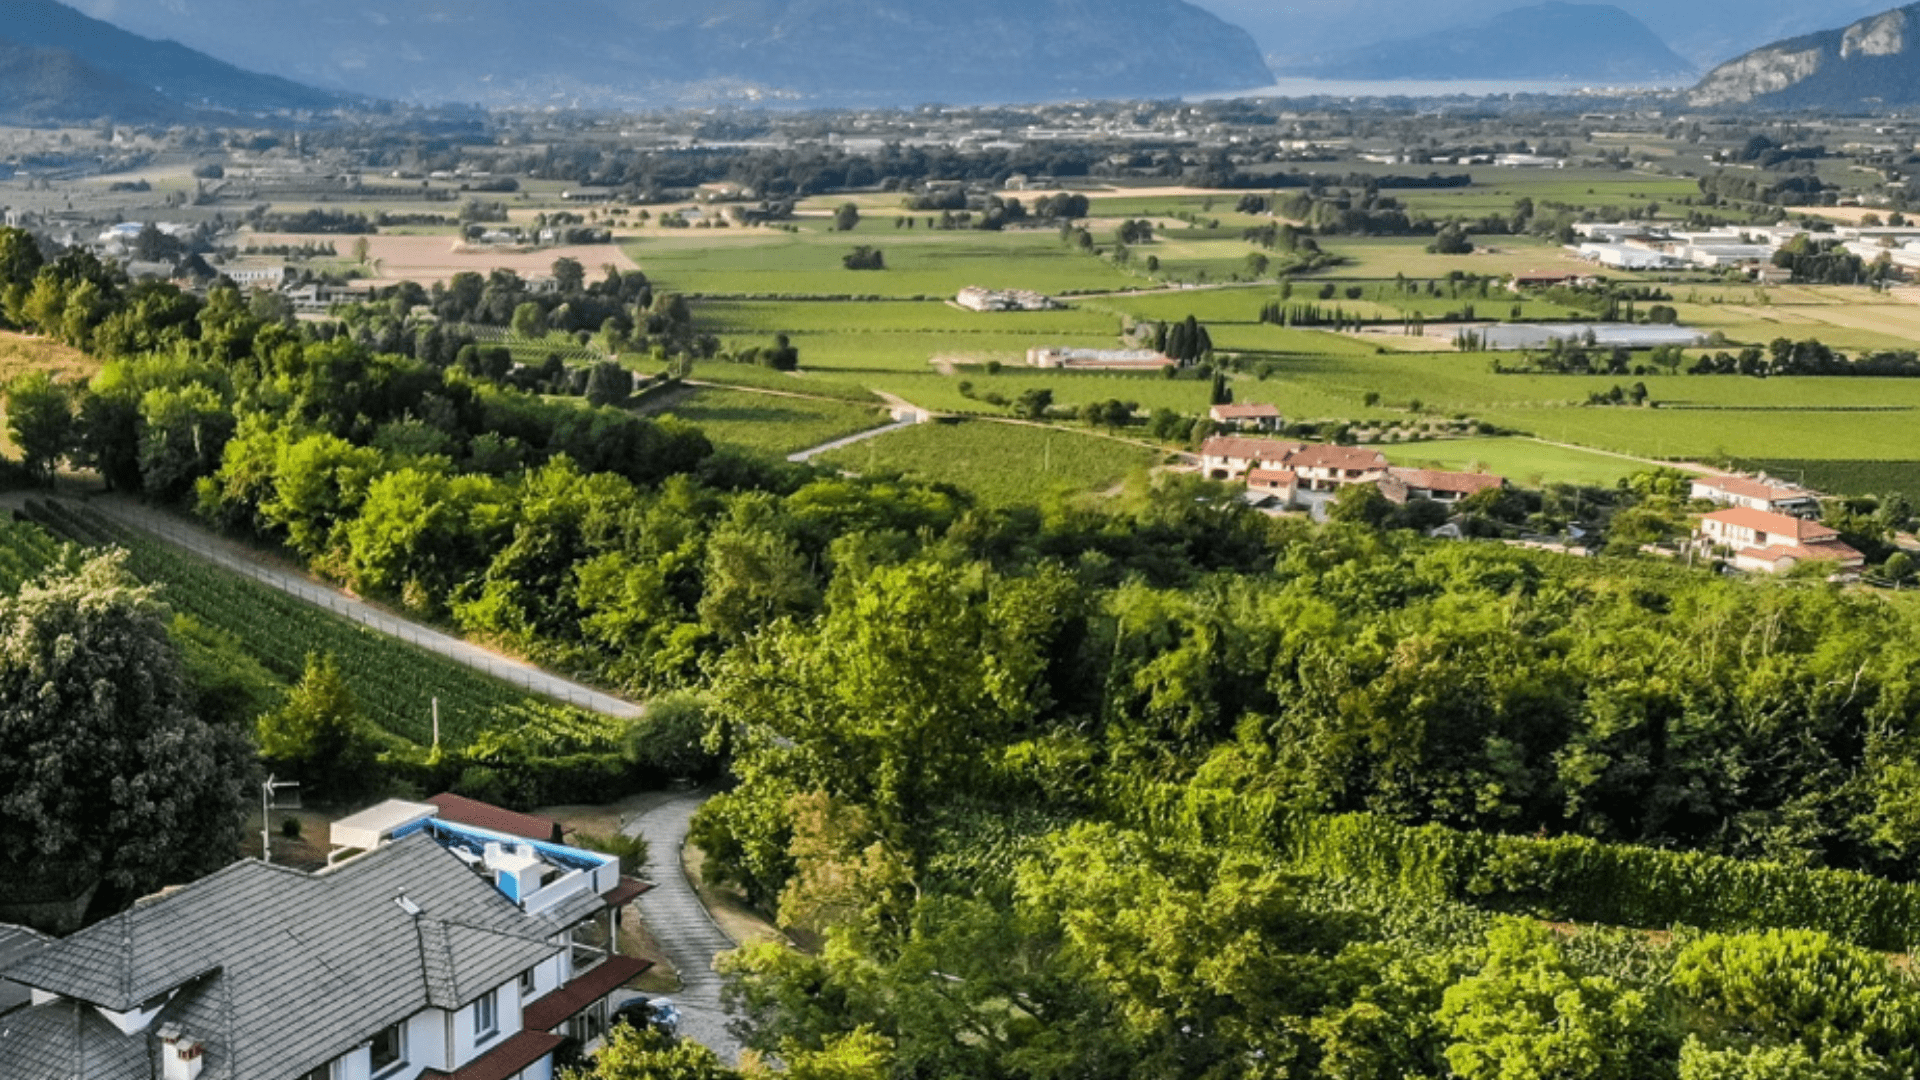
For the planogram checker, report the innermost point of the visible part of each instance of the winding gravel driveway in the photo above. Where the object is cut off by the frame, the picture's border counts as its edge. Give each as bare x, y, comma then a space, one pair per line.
680, 923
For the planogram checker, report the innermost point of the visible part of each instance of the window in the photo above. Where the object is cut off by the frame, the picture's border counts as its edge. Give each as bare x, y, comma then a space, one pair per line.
527, 983
486, 1016
390, 1048
324, 1072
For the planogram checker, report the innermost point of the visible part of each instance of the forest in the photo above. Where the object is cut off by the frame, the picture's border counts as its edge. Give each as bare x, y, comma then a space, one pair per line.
1159, 787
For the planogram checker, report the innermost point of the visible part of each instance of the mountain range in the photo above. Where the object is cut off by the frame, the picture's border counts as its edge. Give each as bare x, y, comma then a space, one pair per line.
1296, 33
57, 64
638, 53
1873, 62
1547, 41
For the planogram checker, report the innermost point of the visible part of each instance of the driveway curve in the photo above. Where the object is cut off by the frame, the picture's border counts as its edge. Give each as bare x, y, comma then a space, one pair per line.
680, 923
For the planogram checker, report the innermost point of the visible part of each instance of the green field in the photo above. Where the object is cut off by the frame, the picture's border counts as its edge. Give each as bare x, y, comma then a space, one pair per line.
1003, 464
395, 684
1525, 462
769, 425
751, 284
919, 263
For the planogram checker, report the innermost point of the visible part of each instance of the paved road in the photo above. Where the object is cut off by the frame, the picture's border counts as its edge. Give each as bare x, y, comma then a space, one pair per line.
679, 921
870, 433
239, 560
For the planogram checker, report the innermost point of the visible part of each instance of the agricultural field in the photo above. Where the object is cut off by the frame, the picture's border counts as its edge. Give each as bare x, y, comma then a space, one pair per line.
1525, 462
770, 425
904, 339
395, 683
394, 257
771, 263
1003, 464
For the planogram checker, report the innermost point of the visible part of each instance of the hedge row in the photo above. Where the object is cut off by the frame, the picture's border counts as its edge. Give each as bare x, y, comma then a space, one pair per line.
1571, 878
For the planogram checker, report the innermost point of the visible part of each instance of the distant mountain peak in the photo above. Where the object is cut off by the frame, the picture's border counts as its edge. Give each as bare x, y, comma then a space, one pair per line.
1875, 61
1552, 40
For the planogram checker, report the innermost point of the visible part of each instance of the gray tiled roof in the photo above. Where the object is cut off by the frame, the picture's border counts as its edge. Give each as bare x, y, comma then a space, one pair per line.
279, 971
16, 944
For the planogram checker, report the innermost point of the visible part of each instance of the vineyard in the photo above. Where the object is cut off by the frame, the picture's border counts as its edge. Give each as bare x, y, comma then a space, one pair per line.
395, 683
25, 550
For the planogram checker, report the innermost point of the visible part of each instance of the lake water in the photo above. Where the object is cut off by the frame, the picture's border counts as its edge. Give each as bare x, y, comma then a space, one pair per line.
1424, 88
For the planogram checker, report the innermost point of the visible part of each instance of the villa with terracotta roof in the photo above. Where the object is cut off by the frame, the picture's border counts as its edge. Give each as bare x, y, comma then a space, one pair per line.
1229, 457
1405, 485
1247, 417
1761, 494
1771, 543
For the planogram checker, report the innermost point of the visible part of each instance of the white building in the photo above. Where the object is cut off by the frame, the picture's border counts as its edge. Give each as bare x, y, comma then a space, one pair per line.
437, 950
1621, 256
1773, 543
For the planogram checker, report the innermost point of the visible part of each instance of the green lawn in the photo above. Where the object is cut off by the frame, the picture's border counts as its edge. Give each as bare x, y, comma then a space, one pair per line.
1002, 464
1524, 462
769, 425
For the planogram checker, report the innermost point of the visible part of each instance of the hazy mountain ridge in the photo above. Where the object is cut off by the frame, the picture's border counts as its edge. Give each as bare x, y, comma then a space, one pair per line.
1546, 41
652, 52
1875, 61
46, 86
132, 75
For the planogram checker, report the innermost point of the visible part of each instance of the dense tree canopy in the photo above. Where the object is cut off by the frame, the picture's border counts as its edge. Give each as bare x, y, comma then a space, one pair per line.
104, 770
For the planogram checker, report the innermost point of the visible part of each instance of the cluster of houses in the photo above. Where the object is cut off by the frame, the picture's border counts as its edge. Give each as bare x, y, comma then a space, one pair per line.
1763, 526
446, 940
1767, 526
1282, 475
977, 298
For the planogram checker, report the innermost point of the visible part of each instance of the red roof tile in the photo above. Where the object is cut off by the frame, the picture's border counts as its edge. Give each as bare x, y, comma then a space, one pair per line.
626, 892
465, 811
1753, 489
1800, 530
1246, 412
1268, 450
1431, 480
1335, 457
1272, 478
553, 1010
505, 1060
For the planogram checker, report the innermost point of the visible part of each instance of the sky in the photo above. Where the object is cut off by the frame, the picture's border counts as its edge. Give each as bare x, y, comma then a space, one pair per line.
1704, 31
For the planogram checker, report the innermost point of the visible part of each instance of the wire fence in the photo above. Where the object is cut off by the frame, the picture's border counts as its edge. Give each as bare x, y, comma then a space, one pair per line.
512, 672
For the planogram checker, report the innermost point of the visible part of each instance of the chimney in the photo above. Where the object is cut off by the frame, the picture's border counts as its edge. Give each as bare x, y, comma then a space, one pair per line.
181, 1058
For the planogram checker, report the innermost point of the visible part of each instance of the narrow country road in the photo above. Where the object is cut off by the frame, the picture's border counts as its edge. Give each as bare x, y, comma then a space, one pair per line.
238, 559
858, 437
680, 923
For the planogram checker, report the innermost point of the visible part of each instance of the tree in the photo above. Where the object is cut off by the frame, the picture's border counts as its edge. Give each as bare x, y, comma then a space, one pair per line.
569, 275
1898, 568
631, 1054
846, 218
105, 773
1033, 403
609, 384
40, 420
1528, 1013
669, 735
319, 736
529, 320
865, 257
